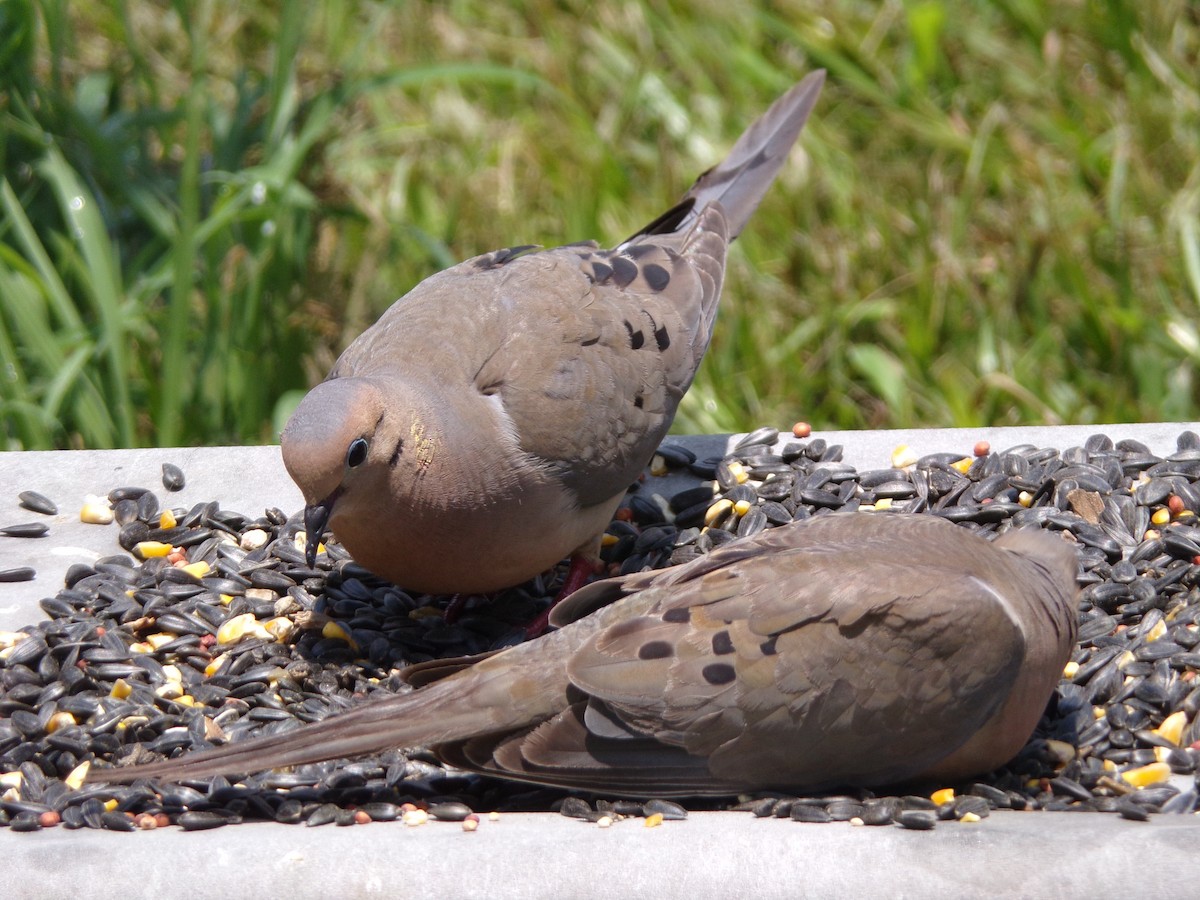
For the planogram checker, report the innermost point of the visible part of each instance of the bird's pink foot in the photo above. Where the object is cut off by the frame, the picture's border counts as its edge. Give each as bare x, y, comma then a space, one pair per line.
579, 573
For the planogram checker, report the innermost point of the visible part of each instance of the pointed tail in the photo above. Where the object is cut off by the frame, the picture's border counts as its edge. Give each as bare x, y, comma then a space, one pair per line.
740, 181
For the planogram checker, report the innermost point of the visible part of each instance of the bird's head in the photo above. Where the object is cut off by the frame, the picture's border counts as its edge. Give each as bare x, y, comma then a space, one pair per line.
335, 448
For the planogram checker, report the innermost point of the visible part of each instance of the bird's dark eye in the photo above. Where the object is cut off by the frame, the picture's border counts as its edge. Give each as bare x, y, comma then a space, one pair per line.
357, 454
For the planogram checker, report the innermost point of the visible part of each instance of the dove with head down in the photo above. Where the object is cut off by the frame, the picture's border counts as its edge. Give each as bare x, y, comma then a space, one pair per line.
488, 424
842, 650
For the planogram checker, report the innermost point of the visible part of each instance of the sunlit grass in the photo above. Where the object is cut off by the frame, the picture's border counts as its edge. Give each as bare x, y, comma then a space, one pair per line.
994, 217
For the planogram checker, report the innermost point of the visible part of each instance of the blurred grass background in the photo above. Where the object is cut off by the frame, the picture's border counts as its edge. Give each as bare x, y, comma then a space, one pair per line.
994, 217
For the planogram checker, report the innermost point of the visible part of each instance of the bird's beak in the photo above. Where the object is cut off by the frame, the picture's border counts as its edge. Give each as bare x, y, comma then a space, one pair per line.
316, 517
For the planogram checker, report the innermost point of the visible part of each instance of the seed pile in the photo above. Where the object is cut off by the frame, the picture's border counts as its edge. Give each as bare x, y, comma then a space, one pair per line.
210, 626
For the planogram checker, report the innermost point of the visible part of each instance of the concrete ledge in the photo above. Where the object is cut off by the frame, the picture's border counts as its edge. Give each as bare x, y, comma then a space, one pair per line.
533, 855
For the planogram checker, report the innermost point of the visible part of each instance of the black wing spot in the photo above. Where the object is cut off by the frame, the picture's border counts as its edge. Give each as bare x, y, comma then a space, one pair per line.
722, 643
718, 673
662, 338
601, 272
624, 271
656, 276
677, 614
767, 647
639, 401
590, 341
637, 251
636, 338
396, 454
655, 650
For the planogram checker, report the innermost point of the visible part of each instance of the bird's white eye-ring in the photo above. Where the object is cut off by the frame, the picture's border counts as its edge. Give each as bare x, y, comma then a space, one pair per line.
356, 455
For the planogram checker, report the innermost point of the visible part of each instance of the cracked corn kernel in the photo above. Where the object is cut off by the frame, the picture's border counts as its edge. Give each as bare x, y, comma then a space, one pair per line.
197, 569
254, 539
604, 822
1159, 629
337, 631
120, 689
653, 821
943, 796
151, 549
739, 473
1070, 669
903, 457
1172, 727
280, 626
239, 628
167, 519
970, 817
414, 817
1154, 773
1161, 516
77, 776
962, 465
742, 507
607, 540
882, 503
60, 719
658, 465
1025, 499
301, 542
96, 510
717, 510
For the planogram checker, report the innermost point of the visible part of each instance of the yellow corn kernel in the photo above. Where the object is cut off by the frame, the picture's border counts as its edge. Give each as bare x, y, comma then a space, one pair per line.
11, 779
59, 720
962, 465
943, 796
336, 631
740, 475
239, 628
970, 817
110, 805
1154, 773
658, 465
1172, 727
742, 507
120, 689
167, 519
151, 549
1159, 629
197, 569
159, 638
882, 503
717, 511
1025, 499
1161, 516
77, 776
96, 510
280, 627
215, 664
903, 457
1071, 669
653, 821
607, 540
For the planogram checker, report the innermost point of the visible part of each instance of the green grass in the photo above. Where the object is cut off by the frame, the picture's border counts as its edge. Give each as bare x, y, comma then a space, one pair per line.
994, 217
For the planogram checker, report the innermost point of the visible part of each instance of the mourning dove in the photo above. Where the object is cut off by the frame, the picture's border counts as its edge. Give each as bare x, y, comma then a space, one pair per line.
842, 650
488, 424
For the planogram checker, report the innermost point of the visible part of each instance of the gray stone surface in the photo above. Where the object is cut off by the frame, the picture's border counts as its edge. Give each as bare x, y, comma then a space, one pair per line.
534, 855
